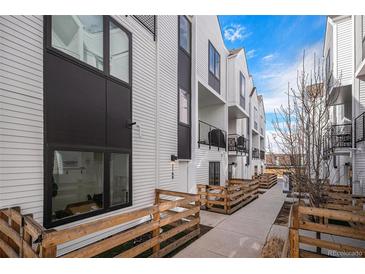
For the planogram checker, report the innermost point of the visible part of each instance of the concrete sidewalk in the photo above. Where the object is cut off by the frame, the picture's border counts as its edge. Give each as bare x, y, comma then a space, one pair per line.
241, 234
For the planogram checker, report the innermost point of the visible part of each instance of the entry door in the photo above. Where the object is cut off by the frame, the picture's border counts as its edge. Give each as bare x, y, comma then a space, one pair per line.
183, 177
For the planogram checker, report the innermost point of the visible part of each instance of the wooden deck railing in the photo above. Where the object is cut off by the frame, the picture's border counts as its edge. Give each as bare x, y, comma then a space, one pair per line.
266, 180
19, 235
227, 199
167, 225
325, 222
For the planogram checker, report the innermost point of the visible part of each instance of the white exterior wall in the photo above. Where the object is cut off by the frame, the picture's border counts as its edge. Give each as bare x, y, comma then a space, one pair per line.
344, 49
208, 29
21, 113
205, 29
236, 65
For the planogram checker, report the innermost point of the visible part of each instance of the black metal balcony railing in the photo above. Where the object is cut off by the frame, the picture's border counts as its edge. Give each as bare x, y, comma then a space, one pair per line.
211, 136
255, 153
359, 128
341, 136
242, 102
237, 143
262, 154
337, 136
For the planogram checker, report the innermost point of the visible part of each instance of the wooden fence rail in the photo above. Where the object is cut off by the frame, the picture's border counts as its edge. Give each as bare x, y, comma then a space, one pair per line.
170, 223
228, 199
324, 222
266, 180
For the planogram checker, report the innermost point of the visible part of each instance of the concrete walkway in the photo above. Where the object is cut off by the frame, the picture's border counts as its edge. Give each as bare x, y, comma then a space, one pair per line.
241, 234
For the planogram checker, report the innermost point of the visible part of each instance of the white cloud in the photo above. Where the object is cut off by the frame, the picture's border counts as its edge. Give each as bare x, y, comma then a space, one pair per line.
250, 54
235, 32
276, 77
268, 57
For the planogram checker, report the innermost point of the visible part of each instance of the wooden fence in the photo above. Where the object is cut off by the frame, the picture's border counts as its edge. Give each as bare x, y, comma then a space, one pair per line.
325, 222
266, 180
19, 235
170, 223
228, 199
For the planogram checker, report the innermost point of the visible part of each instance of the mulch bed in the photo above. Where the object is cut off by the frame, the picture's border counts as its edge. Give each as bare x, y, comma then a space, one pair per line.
283, 216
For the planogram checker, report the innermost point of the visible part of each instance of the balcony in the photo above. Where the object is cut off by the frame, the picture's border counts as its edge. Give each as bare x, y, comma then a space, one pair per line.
237, 143
212, 136
262, 154
359, 128
255, 153
337, 140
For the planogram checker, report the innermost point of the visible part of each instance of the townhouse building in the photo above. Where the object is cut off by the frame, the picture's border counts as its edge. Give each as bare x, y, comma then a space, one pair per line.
344, 64
96, 112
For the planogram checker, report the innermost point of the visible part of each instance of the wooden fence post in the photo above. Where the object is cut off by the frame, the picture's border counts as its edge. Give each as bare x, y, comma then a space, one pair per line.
294, 232
49, 252
156, 218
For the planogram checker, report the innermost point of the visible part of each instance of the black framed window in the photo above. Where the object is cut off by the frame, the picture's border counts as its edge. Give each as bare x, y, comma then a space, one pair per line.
85, 183
80, 36
184, 33
77, 182
118, 53
184, 107
214, 61
119, 179
95, 40
242, 85
214, 173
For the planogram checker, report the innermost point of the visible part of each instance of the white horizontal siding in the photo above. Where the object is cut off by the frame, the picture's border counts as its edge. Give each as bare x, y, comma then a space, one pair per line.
168, 93
208, 29
21, 113
344, 50
203, 156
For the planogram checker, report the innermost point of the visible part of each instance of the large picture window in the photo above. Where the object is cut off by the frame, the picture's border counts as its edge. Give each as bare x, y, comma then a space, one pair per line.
214, 61
184, 33
77, 183
85, 183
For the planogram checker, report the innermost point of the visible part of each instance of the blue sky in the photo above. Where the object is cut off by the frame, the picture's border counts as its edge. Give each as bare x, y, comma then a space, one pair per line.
274, 46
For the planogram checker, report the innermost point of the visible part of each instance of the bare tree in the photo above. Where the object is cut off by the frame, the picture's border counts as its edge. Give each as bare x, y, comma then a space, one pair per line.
302, 124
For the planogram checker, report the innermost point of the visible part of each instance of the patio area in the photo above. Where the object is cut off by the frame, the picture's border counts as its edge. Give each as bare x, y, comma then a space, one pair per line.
241, 234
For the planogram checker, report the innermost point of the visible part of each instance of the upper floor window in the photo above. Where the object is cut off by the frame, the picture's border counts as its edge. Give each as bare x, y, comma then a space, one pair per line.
119, 53
184, 33
82, 37
328, 65
184, 107
214, 61
242, 85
